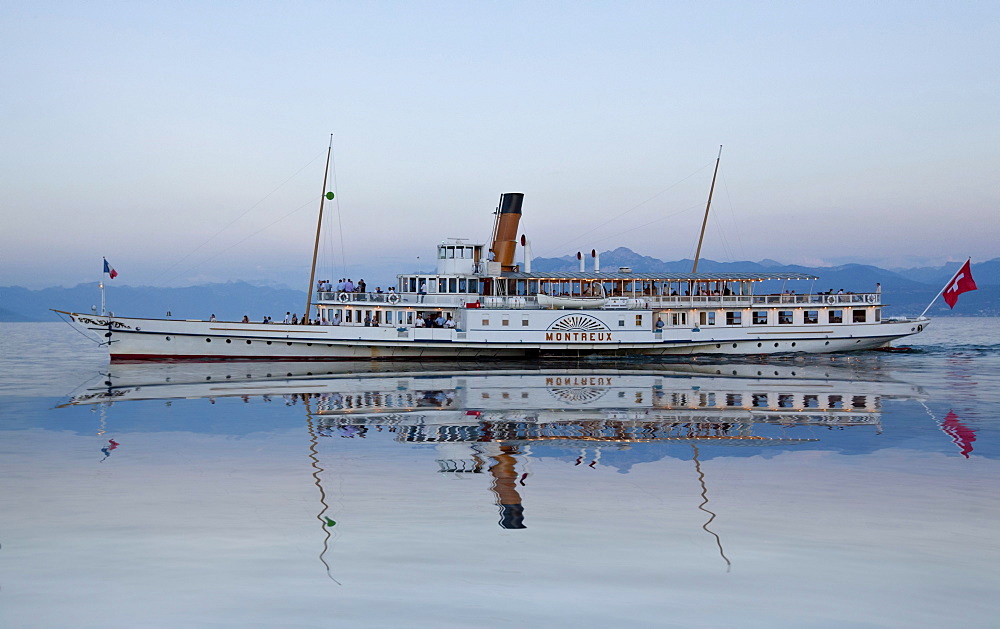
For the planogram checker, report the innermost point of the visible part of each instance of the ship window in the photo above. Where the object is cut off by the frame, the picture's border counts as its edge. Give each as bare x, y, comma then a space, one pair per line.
760, 317
810, 401
860, 316
524, 322
442, 285
785, 401
388, 316
473, 285
784, 317
486, 321
638, 320
505, 322
707, 318
678, 318
734, 399
810, 316
441, 253
859, 401
836, 316
621, 323
878, 314
734, 318
760, 400
451, 252
462, 285
409, 317
835, 401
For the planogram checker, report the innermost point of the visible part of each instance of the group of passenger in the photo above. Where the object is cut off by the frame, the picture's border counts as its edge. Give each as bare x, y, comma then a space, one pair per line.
428, 320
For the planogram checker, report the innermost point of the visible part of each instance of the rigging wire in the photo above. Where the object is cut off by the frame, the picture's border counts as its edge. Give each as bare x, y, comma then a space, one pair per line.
652, 222
230, 224
732, 214
240, 242
631, 209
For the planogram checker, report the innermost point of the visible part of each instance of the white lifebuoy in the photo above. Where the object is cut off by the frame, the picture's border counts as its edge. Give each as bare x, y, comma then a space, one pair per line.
871, 299
831, 299
393, 298
344, 297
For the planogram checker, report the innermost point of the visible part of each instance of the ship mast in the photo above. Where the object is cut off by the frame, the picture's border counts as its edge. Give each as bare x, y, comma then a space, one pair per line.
319, 227
704, 222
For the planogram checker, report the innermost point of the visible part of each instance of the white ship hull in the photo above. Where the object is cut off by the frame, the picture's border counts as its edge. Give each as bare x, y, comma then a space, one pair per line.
159, 339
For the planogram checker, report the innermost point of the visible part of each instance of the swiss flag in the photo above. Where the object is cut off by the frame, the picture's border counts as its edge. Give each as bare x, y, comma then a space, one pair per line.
961, 283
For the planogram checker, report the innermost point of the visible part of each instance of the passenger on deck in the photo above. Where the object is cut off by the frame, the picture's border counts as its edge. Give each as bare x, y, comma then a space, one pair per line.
336, 319
348, 286
212, 318
288, 317
246, 319
361, 286
418, 322
440, 321
450, 323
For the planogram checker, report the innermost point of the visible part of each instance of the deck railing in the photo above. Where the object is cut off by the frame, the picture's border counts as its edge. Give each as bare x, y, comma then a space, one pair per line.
447, 300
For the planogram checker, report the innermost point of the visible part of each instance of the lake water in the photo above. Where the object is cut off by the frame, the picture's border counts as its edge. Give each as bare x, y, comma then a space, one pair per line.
825, 491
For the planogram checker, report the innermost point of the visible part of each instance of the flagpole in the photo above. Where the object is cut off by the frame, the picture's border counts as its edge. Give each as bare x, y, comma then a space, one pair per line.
103, 310
940, 292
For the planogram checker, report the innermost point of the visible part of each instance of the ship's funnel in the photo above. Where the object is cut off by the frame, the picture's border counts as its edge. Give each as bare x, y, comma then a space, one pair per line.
505, 229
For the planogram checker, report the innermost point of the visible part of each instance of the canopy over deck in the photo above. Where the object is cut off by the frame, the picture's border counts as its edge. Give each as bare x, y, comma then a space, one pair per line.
654, 277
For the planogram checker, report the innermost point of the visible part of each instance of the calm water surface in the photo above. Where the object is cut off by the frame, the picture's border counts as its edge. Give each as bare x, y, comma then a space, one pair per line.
830, 491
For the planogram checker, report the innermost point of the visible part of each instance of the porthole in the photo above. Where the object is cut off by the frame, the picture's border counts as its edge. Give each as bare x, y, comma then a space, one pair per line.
827, 343
168, 338
229, 340
248, 341
734, 372
793, 343
734, 345
208, 340
718, 371
288, 344
269, 342
718, 345
760, 345
228, 376
775, 344
309, 344
760, 373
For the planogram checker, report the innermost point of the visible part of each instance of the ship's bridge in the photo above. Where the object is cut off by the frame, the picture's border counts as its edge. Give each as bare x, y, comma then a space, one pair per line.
455, 256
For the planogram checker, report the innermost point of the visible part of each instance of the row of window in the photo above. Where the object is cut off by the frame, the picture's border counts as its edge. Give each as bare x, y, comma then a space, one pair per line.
785, 317
504, 322
782, 400
453, 285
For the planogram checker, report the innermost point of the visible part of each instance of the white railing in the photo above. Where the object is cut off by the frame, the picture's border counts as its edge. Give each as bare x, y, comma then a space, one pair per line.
447, 300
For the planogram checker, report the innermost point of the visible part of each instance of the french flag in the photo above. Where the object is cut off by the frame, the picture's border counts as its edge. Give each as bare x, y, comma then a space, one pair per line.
109, 269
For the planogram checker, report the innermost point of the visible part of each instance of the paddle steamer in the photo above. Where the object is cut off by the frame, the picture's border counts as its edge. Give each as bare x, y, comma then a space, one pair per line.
480, 302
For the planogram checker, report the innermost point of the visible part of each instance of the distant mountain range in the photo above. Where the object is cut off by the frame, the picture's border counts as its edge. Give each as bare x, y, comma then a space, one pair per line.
906, 291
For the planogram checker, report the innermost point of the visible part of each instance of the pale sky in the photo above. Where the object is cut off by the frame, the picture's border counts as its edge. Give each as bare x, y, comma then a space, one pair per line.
185, 141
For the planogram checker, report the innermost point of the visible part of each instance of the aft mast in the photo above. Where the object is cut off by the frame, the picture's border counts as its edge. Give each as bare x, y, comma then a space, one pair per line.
701, 238
319, 228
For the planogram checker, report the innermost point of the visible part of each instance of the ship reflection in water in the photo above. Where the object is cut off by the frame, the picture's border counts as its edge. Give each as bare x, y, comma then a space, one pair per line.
487, 421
